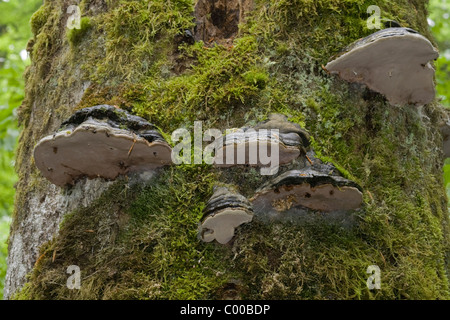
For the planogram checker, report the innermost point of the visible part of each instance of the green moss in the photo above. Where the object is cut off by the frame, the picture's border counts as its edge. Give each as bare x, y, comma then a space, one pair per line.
38, 19
141, 238
74, 36
45, 24
46, 81
222, 80
256, 78
139, 34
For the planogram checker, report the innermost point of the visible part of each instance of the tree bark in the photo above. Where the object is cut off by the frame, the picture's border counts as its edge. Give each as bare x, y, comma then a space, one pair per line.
137, 239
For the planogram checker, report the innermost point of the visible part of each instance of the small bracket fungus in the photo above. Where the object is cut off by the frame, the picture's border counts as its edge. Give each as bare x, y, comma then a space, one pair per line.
394, 62
311, 187
101, 141
224, 212
259, 146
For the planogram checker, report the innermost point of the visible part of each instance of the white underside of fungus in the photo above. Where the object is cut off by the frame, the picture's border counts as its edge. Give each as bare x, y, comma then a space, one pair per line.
95, 149
394, 62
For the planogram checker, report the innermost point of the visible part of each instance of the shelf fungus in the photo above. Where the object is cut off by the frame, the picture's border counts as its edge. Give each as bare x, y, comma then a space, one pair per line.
394, 62
224, 212
312, 187
102, 141
269, 144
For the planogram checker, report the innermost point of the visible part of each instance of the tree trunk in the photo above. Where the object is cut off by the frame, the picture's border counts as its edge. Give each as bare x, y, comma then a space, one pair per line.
240, 61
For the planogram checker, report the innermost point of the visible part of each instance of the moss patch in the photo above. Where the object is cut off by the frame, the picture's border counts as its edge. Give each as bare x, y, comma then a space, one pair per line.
129, 248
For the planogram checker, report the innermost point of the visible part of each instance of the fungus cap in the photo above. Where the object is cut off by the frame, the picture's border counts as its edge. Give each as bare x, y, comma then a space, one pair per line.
99, 148
394, 62
247, 147
285, 127
307, 188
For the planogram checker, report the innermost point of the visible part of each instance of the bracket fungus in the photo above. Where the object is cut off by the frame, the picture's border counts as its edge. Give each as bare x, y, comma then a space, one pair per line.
394, 62
224, 212
257, 146
317, 187
101, 141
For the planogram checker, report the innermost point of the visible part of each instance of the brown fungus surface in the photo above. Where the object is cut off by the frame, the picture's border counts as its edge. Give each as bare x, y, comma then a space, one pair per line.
248, 148
286, 128
307, 188
103, 142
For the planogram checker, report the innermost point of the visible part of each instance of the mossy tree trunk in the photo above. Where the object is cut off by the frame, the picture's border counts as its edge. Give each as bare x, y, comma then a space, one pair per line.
138, 240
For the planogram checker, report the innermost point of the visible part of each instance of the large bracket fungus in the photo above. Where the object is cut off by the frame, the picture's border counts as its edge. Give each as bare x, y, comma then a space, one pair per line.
101, 141
224, 212
394, 62
317, 187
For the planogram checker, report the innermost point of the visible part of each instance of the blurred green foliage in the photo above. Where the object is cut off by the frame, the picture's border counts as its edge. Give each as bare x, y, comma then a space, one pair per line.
14, 34
439, 21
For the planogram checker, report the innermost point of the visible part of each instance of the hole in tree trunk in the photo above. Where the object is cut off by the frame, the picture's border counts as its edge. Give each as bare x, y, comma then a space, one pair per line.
218, 20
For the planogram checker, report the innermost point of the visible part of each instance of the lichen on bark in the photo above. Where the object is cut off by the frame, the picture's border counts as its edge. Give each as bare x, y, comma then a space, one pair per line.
139, 240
